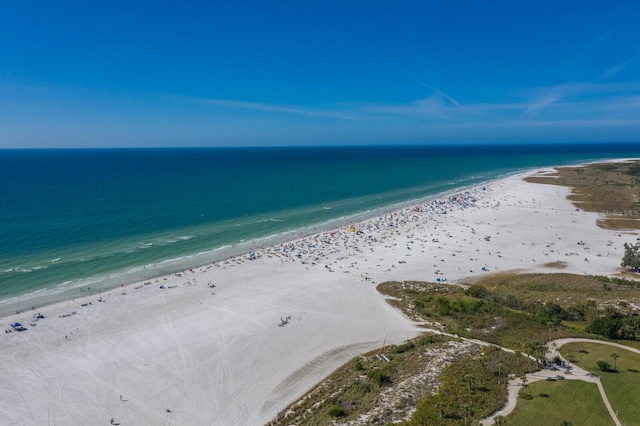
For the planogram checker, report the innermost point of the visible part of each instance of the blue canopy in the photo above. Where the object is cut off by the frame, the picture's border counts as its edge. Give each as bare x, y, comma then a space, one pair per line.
16, 324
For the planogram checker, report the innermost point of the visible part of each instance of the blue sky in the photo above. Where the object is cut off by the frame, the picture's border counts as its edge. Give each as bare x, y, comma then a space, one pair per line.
256, 73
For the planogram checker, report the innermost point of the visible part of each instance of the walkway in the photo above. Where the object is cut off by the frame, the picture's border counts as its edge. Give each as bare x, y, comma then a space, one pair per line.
577, 373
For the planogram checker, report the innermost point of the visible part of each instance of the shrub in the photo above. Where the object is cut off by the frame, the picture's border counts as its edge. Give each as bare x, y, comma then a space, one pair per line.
604, 365
606, 326
336, 411
476, 291
427, 340
378, 377
634, 169
404, 348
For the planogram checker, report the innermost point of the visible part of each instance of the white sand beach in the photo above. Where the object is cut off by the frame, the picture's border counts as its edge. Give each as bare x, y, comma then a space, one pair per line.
266, 330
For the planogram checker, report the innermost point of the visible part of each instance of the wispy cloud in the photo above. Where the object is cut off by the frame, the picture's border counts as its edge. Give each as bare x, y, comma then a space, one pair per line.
265, 107
598, 85
591, 103
616, 69
611, 72
438, 105
443, 95
537, 104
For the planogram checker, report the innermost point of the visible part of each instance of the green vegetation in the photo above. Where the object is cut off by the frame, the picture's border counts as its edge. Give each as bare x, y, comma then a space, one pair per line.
471, 387
609, 188
634, 169
523, 312
574, 304
470, 390
621, 383
493, 318
554, 402
517, 311
356, 387
631, 258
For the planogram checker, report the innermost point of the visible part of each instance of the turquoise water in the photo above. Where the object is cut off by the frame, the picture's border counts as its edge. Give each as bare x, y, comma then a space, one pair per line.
100, 218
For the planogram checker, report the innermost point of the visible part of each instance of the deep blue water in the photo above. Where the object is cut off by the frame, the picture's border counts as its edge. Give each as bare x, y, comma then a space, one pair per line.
71, 218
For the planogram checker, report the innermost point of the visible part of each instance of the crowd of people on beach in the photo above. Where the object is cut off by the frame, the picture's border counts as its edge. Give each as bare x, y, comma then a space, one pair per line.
419, 226
316, 249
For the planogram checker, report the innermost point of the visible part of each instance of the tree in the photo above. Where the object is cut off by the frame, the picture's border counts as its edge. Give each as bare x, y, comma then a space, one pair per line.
605, 326
524, 384
499, 420
499, 366
615, 357
604, 365
631, 258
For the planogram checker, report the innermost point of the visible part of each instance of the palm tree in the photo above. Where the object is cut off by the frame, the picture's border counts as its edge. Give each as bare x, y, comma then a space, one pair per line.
615, 357
524, 383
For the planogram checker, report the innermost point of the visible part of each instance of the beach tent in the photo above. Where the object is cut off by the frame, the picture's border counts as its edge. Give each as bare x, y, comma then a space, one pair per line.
16, 324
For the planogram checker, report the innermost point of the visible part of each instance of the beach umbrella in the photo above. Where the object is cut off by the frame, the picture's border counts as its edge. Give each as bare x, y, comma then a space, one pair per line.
16, 324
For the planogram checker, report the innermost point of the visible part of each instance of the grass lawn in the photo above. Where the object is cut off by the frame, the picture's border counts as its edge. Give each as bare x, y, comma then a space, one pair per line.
622, 387
572, 400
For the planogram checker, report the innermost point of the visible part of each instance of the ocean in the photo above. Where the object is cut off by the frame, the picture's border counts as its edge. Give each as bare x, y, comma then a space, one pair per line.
77, 218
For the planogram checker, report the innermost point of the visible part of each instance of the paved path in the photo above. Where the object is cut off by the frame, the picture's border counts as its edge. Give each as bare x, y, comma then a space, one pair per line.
577, 373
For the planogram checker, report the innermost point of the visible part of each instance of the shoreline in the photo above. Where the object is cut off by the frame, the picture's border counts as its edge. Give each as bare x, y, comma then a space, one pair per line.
44, 297
236, 341
57, 293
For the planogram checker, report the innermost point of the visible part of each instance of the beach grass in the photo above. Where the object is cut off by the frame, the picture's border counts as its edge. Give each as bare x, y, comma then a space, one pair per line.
513, 306
560, 288
366, 383
503, 309
446, 381
555, 401
459, 313
622, 386
612, 189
